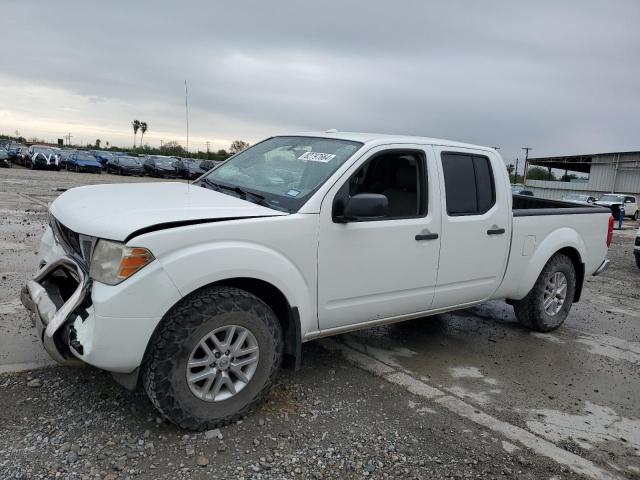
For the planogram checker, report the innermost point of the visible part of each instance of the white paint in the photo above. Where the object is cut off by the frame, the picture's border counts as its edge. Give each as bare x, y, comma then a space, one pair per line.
612, 347
511, 432
10, 307
22, 367
424, 410
481, 398
509, 447
598, 424
466, 372
548, 337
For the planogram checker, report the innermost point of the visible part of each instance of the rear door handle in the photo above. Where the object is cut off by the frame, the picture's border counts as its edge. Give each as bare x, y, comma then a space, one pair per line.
495, 231
426, 236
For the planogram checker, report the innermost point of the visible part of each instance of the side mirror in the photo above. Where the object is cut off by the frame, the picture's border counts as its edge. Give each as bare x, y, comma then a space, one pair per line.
365, 206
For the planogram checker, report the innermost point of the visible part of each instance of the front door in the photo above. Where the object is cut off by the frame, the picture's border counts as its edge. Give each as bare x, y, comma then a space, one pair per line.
370, 269
476, 226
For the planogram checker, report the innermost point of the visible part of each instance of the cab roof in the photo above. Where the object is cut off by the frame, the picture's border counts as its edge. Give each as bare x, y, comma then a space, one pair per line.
374, 139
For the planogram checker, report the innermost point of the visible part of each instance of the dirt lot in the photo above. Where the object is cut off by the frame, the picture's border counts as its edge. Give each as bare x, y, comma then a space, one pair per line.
463, 395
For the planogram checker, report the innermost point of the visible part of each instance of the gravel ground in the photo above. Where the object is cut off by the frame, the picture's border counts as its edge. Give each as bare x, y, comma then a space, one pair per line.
332, 419
328, 420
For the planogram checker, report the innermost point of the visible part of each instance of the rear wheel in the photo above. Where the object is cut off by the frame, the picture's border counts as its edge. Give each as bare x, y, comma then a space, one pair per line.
547, 305
635, 215
214, 356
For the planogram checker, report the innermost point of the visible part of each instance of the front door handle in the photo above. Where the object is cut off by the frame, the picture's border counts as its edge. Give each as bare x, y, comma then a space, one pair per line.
426, 236
495, 231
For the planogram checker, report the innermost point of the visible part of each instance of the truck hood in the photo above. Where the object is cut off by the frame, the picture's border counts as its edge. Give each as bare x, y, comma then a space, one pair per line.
116, 211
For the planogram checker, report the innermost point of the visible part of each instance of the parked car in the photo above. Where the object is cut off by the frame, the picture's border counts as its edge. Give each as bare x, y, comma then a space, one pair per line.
83, 162
164, 167
207, 165
521, 190
579, 199
124, 165
16, 153
190, 168
614, 200
64, 156
102, 156
636, 248
199, 292
4, 159
41, 157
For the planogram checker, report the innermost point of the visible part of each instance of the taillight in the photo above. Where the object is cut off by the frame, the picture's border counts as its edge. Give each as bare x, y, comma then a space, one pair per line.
610, 231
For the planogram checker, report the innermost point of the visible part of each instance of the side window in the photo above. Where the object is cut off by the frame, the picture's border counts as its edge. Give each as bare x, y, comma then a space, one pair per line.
469, 185
400, 175
630, 200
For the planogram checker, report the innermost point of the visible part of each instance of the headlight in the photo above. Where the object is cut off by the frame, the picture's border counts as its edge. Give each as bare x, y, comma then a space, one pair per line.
113, 262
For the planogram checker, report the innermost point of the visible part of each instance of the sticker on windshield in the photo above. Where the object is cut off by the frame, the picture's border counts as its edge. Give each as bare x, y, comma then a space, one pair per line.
316, 157
293, 192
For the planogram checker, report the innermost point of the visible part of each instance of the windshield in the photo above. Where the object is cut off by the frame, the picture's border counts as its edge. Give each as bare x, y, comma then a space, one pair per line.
611, 198
284, 170
85, 157
132, 161
46, 151
164, 162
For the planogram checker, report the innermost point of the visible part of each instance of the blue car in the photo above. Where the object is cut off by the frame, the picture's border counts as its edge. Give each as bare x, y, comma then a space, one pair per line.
102, 157
83, 162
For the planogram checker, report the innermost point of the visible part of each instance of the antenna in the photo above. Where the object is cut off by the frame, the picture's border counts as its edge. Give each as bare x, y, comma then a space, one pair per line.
186, 108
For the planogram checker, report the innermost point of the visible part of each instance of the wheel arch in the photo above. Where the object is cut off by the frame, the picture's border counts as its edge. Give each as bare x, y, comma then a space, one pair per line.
287, 314
578, 265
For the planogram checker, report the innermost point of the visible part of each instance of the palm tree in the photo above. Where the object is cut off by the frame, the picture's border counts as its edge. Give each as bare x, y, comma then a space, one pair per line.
143, 129
136, 126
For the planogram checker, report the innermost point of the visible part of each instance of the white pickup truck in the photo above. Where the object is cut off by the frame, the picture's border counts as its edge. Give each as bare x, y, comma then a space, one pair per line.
200, 292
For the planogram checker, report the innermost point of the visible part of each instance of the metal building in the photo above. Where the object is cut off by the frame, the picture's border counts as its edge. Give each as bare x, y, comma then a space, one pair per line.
617, 172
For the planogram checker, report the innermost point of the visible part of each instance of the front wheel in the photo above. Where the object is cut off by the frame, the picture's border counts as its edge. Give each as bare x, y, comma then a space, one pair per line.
635, 215
213, 358
547, 305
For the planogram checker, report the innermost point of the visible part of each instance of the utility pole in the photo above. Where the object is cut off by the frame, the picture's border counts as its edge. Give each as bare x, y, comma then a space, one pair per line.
208, 144
515, 175
68, 138
161, 144
526, 163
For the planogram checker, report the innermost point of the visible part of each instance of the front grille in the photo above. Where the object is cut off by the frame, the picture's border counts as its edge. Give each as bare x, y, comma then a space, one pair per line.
69, 239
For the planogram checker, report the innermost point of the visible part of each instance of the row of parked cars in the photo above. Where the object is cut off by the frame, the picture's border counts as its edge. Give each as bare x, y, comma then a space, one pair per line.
97, 161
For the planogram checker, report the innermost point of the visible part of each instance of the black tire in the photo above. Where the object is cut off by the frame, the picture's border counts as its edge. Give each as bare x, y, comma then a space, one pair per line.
165, 362
635, 215
530, 310
637, 260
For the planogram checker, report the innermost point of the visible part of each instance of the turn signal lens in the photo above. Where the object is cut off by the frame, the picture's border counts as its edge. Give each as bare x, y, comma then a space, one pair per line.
113, 262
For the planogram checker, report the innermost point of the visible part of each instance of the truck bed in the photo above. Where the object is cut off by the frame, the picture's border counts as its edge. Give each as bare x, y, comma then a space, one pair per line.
526, 206
541, 228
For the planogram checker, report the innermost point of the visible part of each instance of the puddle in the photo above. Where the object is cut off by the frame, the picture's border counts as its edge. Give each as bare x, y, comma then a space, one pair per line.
598, 425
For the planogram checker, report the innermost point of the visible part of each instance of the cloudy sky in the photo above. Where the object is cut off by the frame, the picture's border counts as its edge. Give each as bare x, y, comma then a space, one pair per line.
561, 77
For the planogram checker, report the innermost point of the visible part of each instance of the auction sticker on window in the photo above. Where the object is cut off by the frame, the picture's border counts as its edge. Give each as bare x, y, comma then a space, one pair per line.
316, 157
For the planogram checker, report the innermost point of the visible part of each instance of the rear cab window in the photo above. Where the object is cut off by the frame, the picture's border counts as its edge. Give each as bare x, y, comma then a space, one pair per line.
469, 183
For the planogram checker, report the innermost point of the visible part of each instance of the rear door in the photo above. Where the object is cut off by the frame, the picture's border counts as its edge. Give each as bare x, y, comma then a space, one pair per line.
476, 226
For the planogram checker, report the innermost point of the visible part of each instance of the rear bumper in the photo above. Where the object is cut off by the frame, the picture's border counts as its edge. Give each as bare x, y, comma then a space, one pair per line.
603, 266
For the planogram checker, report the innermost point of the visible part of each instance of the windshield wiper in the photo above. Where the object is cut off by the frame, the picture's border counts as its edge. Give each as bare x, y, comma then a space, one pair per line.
256, 197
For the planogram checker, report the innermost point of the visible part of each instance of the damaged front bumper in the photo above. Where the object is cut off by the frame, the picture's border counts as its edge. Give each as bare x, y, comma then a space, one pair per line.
56, 295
